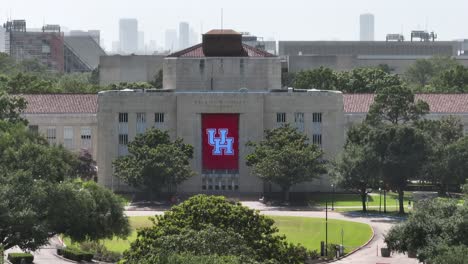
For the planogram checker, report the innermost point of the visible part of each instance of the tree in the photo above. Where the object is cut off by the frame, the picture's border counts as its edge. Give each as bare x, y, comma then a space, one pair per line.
401, 147
158, 80
365, 80
11, 108
434, 227
154, 162
404, 150
441, 135
86, 166
454, 79
357, 167
321, 78
286, 158
396, 104
37, 197
457, 156
420, 72
210, 217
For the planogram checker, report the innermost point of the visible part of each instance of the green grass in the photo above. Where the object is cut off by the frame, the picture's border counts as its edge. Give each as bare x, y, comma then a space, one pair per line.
354, 199
310, 231
303, 230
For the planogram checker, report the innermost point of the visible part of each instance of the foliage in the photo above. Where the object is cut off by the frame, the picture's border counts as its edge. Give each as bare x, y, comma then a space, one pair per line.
286, 158
444, 137
357, 168
449, 255
454, 79
76, 254
158, 80
432, 228
396, 104
86, 166
425, 71
126, 85
321, 78
287, 79
100, 252
366, 80
205, 259
11, 108
201, 212
20, 258
155, 161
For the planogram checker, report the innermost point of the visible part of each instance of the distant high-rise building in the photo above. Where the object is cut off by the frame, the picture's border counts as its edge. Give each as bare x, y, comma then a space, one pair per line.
193, 37
184, 35
115, 46
171, 41
128, 35
366, 22
2, 39
141, 41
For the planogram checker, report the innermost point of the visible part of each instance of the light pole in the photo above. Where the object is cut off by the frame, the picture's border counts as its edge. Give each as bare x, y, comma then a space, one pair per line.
385, 200
326, 228
333, 197
380, 200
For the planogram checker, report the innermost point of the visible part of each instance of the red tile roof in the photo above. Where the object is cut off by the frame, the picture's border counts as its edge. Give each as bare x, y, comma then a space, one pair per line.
197, 52
60, 103
438, 103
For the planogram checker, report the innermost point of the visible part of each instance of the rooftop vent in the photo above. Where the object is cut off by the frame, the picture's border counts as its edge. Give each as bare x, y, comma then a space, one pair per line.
222, 43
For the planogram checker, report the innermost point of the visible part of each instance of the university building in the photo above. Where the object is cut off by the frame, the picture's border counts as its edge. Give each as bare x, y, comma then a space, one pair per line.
217, 96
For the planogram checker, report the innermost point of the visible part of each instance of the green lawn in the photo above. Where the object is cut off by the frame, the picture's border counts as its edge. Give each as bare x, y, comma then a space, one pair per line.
354, 199
306, 231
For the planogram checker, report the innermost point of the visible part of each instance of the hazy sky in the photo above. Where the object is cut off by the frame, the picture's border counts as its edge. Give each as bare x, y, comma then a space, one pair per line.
282, 20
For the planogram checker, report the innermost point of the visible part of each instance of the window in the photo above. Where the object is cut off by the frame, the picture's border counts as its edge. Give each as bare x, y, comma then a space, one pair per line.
86, 138
317, 139
51, 135
242, 66
227, 183
140, 123
280, 118
317, 117
299, 121
68, 137
202, 65
34, 129
123, 134
159, 120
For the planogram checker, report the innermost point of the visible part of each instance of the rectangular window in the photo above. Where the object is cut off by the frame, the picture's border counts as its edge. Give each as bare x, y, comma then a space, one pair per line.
317, 117
317, 139
86, 138
68, 137
299, 121
123, 134
34, 129
159, 118
51, 135
280, 118
140, 123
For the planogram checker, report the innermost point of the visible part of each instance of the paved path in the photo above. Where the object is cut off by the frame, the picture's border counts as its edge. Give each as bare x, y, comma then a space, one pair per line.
366, 255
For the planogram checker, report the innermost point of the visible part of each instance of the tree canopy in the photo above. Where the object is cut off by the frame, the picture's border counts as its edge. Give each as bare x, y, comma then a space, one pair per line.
206, 225
286, 158
155, 162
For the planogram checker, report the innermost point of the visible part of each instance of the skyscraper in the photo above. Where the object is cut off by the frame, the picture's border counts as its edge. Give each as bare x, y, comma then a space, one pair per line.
128, 35
366, 27
171, 42
141, 42
184, 35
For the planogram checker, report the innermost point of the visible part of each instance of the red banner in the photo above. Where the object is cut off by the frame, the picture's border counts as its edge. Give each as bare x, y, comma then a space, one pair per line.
220, 141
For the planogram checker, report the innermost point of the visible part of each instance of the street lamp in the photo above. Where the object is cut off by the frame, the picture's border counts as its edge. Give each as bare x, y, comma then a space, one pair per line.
380, 200
333, 197
326, 228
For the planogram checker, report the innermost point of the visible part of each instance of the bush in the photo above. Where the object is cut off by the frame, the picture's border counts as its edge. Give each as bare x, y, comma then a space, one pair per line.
76, 254
101, 253
20, 258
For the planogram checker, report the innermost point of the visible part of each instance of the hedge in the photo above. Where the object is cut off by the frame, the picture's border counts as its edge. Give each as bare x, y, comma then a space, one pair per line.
17, 258
75, 254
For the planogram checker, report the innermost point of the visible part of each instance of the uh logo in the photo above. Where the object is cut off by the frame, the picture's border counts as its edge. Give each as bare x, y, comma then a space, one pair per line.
222, 145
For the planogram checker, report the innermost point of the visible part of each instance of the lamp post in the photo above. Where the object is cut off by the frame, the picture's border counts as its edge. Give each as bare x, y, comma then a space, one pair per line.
380, 200
326, 228
385, 200
333, 197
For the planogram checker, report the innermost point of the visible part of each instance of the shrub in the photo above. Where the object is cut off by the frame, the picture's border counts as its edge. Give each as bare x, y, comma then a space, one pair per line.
20, 258
76, 254
101, 253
